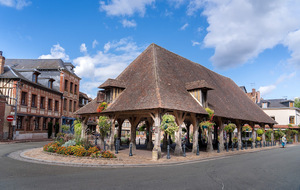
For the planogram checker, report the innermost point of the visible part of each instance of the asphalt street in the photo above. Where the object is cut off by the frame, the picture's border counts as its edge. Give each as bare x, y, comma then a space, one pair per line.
271, 169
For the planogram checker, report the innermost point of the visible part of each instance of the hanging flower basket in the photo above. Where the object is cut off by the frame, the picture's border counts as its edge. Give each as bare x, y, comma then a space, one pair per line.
206, 124
102, 106
246, 128
230, 128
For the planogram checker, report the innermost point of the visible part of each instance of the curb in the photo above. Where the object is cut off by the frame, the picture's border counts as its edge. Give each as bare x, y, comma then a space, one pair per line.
20, 155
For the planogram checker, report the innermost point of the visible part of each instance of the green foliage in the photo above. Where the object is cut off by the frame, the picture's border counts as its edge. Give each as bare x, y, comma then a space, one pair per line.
260, 131
142, 128
297, 102
77, 128
278, 134
235, 139
246, 128
250, 140
290, 126
210, 113
230, 128
56, 128
268, 134
258, 139
69, 143
65, 128
294, 132
104, 125
168, 124
207, 124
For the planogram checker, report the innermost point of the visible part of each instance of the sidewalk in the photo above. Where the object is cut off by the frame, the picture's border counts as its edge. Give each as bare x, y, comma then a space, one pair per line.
23, 141
140, 158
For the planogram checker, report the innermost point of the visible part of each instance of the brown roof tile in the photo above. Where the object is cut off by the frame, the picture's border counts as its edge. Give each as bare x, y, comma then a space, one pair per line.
158, 78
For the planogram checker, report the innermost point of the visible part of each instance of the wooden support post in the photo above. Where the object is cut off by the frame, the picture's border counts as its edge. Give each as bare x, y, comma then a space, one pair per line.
112, 134
134, 121
195, 124
209, 147
188, 124
221, 132
180, 116
84, 127
149, 144
272, 134
263, 135
253, 133
156, 152
239, 132
120, 122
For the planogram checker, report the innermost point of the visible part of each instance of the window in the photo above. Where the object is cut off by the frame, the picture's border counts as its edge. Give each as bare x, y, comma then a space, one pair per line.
49, 104
74, 108
273, 117
23, 98
33, 100
71, 87
65, 104
42, 104
197, 94
36, 123
19, 122
34, 78
70, 105
44, 123
265, 105
66, 85
75, 89
292, 119
56, 105
50, 84
107, 94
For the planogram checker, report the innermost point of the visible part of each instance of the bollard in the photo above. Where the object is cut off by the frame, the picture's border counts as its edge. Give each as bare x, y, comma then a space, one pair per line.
226, 146
246, 147
242, 146
117, 147
232, 147
218, 148
139, 141
130, 150
237, 146
260, 144
104, 146
255, 144
264, 144
197, 150
275, 143
168, 152
251, 145
184, 150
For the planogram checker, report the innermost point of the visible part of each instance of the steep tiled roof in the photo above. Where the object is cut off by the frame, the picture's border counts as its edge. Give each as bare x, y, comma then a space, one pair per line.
112, 83
157, 79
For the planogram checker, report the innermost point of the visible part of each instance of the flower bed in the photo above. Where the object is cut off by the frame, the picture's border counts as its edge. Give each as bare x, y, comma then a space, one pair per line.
77, 150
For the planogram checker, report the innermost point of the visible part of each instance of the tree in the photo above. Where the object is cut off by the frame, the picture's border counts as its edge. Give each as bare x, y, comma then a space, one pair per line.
297, 102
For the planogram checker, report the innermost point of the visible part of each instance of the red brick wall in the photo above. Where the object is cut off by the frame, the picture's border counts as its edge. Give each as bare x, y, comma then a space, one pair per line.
2, 113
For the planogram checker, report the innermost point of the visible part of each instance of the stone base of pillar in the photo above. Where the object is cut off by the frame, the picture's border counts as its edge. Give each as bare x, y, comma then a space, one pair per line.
155, 155
178, 151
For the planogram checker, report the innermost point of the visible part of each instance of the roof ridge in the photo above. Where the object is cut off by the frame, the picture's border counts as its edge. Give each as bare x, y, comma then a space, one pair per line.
155, 74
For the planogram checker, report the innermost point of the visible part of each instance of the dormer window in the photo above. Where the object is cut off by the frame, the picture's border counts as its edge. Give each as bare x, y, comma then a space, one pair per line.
198, 90
35, 76
112, 89
265, 105
50, 83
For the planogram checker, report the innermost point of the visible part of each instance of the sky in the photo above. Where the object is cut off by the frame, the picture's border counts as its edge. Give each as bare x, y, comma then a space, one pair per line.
255, 43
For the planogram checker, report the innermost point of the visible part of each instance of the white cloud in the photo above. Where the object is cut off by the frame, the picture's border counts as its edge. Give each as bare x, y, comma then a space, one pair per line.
128, 23
264, 90
239, 30
194, 43
18, 4
56, 52
83, 48
293, 43
108, 63
125, 7
184, 26
176, 3
95, 43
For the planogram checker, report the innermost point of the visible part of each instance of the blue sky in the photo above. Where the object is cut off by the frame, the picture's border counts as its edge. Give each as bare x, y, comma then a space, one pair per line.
255, 43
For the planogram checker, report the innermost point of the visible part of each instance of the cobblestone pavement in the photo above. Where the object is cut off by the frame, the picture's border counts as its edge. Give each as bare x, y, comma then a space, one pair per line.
140, 158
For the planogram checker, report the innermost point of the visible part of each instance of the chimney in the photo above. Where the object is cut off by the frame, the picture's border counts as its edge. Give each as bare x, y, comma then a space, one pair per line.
2, 62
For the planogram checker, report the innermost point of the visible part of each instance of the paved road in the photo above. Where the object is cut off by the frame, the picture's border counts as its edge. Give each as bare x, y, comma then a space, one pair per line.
272, 169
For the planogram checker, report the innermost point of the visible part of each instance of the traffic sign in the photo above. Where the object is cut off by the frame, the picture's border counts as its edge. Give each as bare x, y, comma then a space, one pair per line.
10, 118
